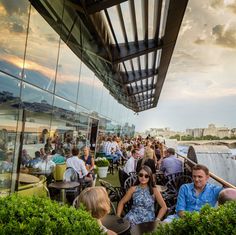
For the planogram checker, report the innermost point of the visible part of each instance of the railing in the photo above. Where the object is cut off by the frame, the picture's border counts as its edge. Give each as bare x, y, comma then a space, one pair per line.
190, 163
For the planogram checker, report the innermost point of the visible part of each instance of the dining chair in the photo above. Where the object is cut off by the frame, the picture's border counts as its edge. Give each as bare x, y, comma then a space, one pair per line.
130, 182
70, 175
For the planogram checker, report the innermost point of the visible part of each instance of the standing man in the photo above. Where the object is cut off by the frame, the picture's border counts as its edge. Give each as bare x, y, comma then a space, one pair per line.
171, 164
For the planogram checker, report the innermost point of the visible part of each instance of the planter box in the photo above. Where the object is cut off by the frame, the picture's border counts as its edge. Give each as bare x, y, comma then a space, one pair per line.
102, 171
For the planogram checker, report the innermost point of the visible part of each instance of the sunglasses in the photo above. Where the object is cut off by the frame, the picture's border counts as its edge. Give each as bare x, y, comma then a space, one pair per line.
143, 175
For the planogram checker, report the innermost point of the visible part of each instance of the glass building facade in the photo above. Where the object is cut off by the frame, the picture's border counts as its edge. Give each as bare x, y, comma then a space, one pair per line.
47, 91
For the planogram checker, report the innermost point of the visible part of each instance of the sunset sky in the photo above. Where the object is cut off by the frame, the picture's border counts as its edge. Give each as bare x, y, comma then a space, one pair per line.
200, 86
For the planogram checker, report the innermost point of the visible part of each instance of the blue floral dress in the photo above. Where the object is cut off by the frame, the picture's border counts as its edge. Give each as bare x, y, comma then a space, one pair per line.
143, 207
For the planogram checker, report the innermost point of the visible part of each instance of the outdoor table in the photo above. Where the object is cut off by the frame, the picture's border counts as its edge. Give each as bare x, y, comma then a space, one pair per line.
116, 224
62, 186
27, 178
142, 228
45, 173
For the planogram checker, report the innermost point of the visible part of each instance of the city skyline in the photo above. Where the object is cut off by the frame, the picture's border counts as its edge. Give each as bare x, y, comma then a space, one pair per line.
192, 128
200, 87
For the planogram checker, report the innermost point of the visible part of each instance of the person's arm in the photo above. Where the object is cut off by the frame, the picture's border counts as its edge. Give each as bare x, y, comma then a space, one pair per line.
163, 167
181, 201
124, 200
161, 203
92, 163
83, 169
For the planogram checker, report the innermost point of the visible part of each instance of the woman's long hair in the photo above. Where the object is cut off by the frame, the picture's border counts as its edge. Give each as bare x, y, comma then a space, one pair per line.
151, 183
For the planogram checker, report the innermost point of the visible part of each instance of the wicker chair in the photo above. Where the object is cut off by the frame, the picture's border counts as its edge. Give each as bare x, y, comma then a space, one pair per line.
130, 182
122, 177
115, 193
171, 194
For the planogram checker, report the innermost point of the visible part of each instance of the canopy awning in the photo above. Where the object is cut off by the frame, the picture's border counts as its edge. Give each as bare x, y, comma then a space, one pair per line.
128, 44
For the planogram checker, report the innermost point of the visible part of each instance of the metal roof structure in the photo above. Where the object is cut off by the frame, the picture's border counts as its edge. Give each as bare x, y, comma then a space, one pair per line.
128, 44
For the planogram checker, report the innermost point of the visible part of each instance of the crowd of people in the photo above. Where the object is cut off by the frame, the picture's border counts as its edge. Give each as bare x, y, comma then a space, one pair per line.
144, 157
47, 157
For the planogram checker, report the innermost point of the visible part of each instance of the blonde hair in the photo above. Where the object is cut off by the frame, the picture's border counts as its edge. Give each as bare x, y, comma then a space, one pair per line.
95, 200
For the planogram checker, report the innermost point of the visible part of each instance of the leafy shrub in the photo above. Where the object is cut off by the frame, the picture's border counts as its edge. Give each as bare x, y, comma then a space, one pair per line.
34, 215
101, 162
217, 221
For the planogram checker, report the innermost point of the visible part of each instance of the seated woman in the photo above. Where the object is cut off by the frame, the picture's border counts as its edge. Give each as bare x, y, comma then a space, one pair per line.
97, 202
144, 194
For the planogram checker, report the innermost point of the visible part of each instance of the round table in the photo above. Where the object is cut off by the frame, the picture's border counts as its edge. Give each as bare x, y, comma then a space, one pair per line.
116, 224
147, 227
62, 186
27, 178
46, 173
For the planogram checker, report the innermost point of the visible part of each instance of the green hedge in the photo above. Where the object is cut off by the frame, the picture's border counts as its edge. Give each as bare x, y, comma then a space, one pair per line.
216, 221
34, 215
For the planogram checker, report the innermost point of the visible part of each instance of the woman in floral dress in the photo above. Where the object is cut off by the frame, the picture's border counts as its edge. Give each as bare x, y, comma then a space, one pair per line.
144, 194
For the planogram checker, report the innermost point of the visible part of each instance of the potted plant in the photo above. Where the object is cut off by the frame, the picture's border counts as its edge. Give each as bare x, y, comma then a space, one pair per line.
102, 164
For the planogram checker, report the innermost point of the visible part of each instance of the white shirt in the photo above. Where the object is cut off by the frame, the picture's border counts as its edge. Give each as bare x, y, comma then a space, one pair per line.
130, 165
141, 152
45, 166
107, 147
78, 165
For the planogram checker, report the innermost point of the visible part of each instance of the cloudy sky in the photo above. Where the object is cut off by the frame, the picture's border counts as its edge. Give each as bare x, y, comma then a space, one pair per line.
200, 86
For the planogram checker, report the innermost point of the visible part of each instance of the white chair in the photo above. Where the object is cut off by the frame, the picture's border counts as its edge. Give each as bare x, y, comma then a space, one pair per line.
70, 175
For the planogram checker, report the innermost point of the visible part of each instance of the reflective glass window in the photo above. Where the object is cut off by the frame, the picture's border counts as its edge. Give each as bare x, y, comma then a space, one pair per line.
63, 121
81, 122
96, 95
104, 103
37, 107
41, 52
67, 73
85, 87
35, 99
113, 109
9, 103
13, 28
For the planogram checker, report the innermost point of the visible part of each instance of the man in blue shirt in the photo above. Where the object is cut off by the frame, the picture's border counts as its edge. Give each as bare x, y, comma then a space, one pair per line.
193, 196
171, 164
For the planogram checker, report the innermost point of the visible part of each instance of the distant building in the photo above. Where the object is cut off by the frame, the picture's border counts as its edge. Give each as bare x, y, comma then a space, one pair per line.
211, 130
162, 132
223, 132
198, 132
189, 132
